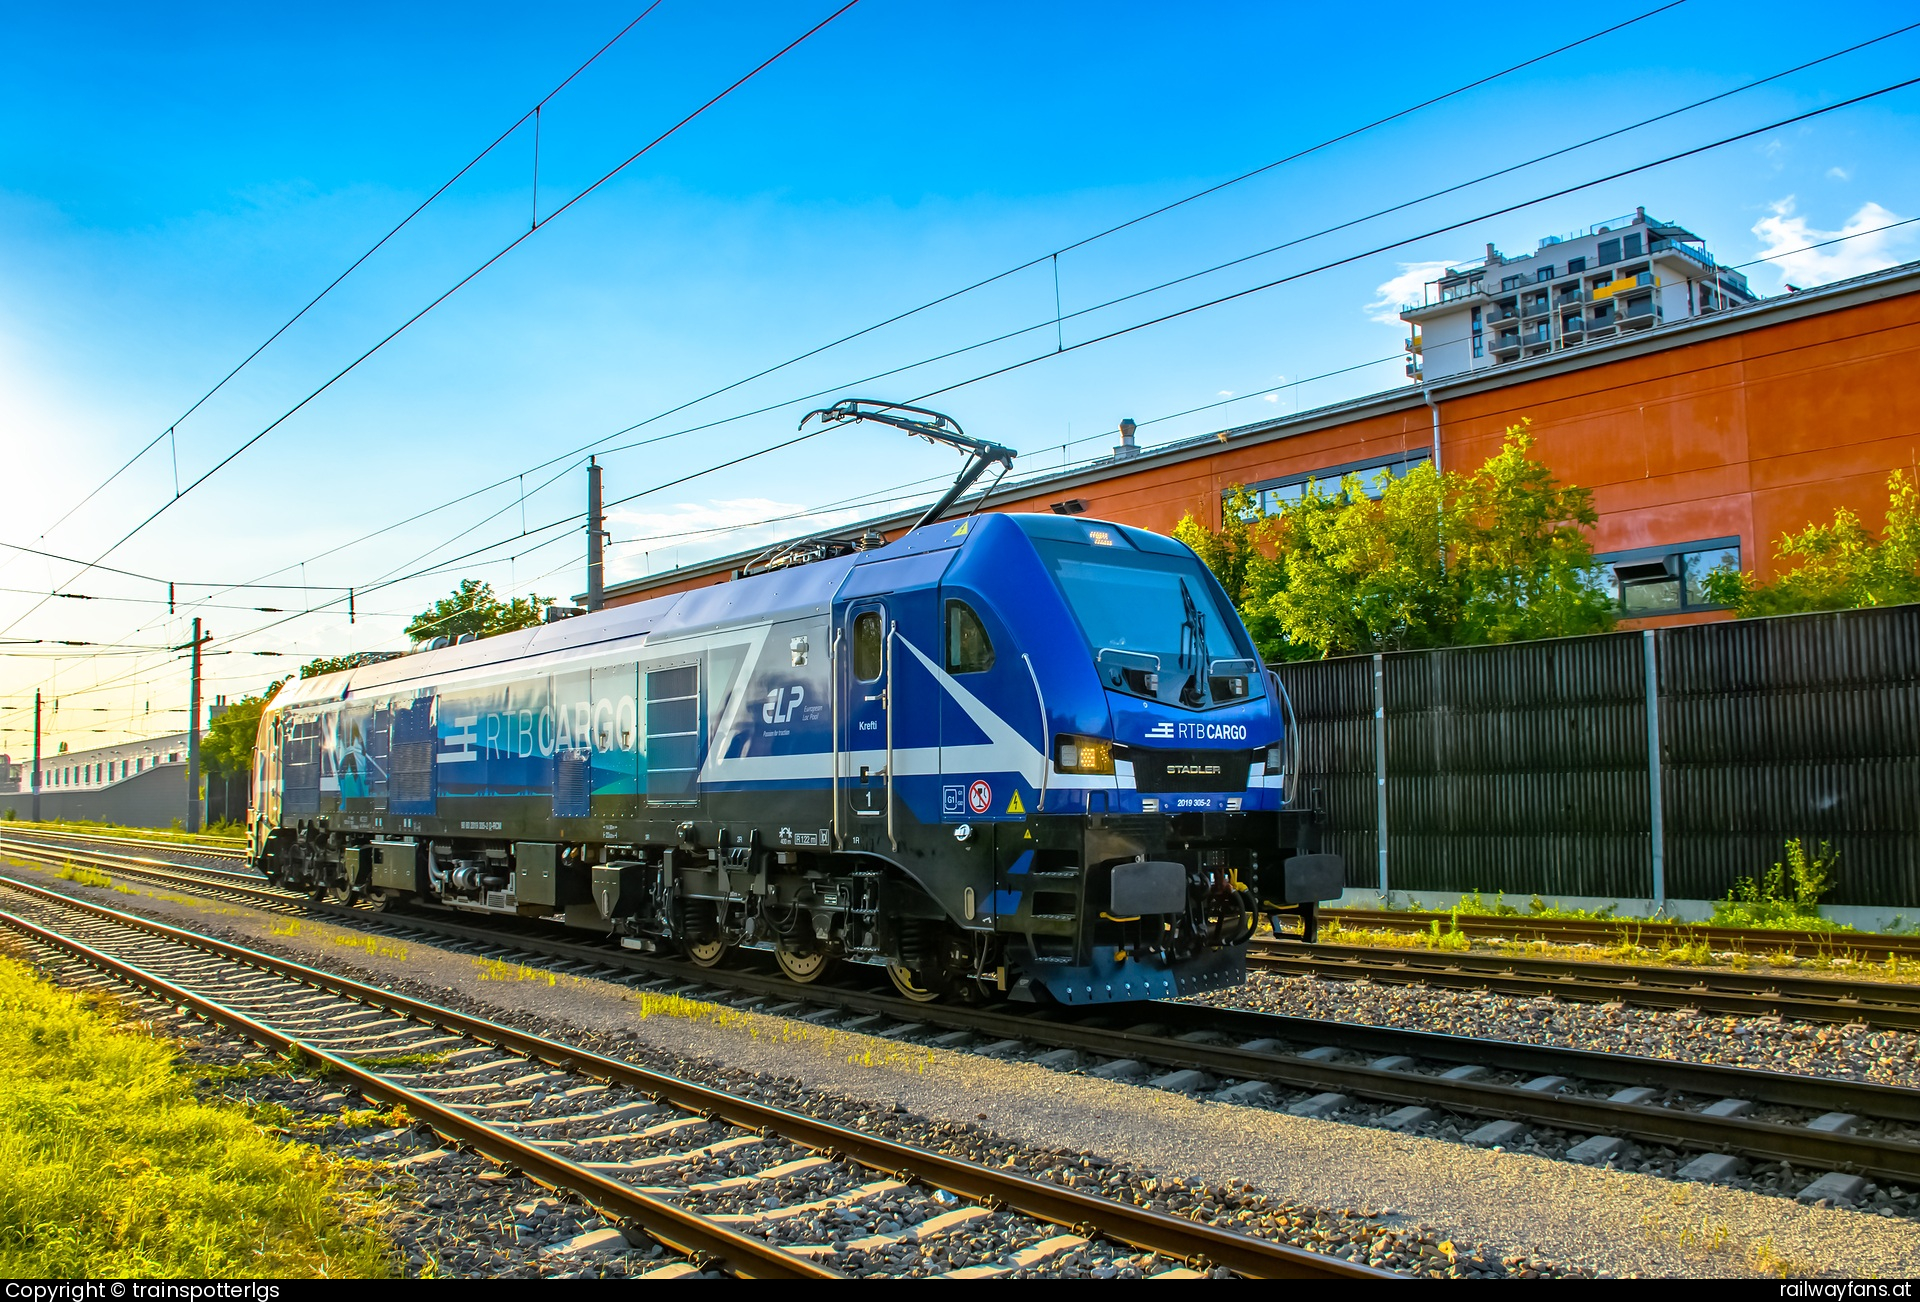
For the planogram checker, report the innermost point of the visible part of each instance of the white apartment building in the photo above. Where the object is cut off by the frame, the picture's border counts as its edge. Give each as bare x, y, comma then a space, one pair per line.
1614, 278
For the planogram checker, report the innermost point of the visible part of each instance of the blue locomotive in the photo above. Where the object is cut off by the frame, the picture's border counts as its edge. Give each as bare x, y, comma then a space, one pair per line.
1033, 755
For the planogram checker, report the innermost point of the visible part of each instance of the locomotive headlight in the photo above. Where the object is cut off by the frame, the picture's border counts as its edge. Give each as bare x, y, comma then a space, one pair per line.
1274, 758
1073, 754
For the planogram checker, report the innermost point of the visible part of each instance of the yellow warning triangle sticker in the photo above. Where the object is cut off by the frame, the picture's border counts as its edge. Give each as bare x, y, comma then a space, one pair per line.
961, 531
1014, 806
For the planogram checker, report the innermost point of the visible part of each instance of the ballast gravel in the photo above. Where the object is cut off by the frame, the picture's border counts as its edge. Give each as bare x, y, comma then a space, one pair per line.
1407, 1202
1851, 1052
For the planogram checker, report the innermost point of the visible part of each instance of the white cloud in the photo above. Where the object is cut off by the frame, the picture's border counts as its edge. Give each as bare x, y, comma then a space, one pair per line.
1782, 231
1226, 393
1271, 397
1407, 287
1839, 174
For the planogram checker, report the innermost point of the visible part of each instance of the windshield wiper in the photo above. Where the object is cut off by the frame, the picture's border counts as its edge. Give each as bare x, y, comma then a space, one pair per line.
1193, 650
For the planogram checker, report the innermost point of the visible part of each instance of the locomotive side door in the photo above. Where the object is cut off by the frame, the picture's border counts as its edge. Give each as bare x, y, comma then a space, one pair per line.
862, 676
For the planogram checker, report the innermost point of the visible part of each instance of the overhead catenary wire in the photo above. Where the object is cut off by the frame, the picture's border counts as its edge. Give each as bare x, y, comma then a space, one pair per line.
448, 566
169, 432
1447, 228
1602, 180
1081, 242
602, 180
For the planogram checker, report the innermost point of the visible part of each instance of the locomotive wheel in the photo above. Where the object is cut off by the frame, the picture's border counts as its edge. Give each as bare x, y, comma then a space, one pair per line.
380, 901
340, 894
803, 968
912, 984
706, 953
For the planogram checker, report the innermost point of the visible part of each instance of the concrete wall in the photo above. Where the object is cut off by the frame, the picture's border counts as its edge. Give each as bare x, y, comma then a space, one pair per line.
151, 799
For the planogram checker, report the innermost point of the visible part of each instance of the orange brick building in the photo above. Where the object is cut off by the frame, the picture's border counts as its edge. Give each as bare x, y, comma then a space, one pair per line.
1703, 440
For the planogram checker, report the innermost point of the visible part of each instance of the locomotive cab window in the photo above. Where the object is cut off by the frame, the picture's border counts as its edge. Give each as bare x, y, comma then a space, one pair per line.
867, 659
969, 650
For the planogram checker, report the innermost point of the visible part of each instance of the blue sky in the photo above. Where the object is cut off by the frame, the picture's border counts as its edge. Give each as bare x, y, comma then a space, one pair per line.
174, 185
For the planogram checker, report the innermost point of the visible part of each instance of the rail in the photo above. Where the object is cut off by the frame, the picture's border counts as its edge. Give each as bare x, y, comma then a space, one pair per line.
1141, 1227
1251, 1051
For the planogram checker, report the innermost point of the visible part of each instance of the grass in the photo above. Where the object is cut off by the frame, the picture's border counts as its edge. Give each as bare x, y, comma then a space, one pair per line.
110, 1167
372, 946
1710, 1238
1850, 956
850, 1046
224, 835
89, 877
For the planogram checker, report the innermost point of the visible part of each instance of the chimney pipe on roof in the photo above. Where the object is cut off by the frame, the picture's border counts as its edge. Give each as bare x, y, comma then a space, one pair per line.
1126, 448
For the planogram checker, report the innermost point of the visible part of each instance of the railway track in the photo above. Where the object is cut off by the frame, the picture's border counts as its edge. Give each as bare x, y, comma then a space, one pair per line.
1812, 999
1817, 999
725, 1182
1600, 1104
1611, 932
233, 850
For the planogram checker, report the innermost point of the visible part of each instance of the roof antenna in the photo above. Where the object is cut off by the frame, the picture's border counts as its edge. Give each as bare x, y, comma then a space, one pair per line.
934, 427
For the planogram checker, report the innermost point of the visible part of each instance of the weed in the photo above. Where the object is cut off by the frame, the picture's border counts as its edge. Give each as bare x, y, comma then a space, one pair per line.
370, 945
854, 1047
1785, 895
493, 969
400, 1061
84, 877
1452, 938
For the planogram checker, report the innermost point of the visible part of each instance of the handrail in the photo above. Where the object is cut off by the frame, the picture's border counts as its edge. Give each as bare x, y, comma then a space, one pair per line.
833, 695
886, 704
1046, 734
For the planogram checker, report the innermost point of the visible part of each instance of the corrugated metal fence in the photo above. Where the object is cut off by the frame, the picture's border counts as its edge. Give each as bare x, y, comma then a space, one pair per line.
1527, 768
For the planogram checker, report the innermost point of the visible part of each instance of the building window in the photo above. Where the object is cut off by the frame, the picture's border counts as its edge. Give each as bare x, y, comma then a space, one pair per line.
1511, 282
1576, 265
1479, 341
1632, 246
1276, 495
1545, 273
1609, 252
1665, 581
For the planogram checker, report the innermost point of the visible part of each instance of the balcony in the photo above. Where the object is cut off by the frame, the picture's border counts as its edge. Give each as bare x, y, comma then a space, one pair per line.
1506, 347
1535, 307
1464, 294
1412, 343
1641, 314
1502, 314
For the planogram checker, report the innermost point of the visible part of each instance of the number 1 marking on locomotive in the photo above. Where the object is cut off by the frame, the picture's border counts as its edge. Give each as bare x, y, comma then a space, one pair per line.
980, 797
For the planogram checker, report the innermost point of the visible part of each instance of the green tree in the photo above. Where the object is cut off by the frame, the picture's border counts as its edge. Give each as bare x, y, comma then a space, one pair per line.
472, 608
353, 660
226, 748
1433, 559
1837, 566
1235, 555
